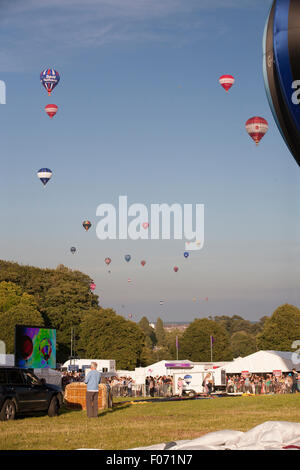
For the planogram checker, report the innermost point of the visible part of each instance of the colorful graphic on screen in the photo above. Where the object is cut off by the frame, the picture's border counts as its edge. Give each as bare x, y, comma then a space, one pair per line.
35, 347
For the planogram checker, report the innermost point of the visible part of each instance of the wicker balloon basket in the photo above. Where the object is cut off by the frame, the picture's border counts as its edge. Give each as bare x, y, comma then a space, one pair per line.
75, 396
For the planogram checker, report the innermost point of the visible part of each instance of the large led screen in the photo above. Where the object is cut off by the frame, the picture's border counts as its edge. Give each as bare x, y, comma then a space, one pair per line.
35, 347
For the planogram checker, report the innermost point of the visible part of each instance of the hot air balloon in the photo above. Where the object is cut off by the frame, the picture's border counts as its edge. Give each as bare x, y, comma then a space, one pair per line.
281, 68
175, 269
51, 110
73, 249
145, 225
127, 258
129, 280
49, 79
186, 254
226, 81
256, 128
143, 263
161, 302
44, 174
87, 225
130, 315
45, 348
107, 261
92, 286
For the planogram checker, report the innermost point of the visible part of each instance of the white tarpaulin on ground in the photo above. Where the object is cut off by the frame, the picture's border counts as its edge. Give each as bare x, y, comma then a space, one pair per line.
271, 435
263, 362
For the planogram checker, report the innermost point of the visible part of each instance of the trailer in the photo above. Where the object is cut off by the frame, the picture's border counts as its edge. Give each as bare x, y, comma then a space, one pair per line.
193, 381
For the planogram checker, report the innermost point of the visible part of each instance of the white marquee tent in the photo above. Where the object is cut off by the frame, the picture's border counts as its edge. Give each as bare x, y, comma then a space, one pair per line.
262, 362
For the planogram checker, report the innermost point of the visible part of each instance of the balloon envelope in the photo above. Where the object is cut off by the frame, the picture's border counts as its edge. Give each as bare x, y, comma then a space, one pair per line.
257, 128
49, 79
51, 110
73, 249
186, 254
127, 258
175, 269
44, 174
143, 263
93, 286
87, 224
281, 69
107, 261
226, 81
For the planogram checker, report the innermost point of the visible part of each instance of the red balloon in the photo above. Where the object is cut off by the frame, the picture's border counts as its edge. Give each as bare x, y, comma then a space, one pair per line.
257, 128
51, 110
226, 81
145, 225
175, 269
107, 261
93, 286
143, 263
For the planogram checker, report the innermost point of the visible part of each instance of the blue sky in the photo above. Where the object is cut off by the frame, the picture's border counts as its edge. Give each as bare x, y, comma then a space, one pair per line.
141, 114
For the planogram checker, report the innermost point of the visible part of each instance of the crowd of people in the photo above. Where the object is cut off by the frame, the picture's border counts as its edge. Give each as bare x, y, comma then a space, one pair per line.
163, 386
264, 383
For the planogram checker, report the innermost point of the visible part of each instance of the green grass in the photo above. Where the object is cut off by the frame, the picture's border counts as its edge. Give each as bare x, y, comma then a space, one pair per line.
136, 425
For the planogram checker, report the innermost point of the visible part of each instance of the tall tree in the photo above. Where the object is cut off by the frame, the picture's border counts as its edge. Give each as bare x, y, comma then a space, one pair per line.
281, 329
195, 342
106, 335
160, 333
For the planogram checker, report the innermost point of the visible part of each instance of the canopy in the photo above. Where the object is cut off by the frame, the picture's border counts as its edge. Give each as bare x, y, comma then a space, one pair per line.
263, 362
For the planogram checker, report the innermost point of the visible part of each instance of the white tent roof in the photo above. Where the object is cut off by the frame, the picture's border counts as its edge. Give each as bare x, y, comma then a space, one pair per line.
263, 362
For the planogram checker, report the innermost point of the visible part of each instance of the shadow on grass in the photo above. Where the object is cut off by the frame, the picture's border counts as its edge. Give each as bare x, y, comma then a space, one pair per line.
65, 410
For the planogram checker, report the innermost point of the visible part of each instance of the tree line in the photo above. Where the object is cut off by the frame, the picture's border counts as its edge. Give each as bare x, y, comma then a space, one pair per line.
61, 298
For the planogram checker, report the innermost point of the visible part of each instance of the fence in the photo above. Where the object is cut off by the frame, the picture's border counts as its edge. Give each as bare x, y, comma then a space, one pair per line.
160, 390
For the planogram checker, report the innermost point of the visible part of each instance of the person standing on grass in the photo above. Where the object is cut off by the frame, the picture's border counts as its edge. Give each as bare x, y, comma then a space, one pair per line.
295, 381
92, 381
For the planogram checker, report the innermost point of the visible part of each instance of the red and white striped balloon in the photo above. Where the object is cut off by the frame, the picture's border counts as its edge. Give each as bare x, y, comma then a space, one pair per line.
51, 110
226, 81
257, 128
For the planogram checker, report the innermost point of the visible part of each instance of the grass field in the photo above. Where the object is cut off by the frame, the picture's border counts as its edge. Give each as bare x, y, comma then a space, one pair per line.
136, 425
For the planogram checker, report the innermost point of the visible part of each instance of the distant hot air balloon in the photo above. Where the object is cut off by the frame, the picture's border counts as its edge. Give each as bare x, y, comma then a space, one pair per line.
186, 254
127, 258
87, 224
143, 263
51, 110
49, 79
130, 315
107, 261
256, 128
145, 225
73, 249
44, 174
226, 81
92, 286
129, 280
161, 302
175, 269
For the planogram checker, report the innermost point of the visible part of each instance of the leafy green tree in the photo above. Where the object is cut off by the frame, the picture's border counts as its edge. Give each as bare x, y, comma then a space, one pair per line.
16, 308
242, 344
160, 333
195, 342
281, 329
106, 335
148, 330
